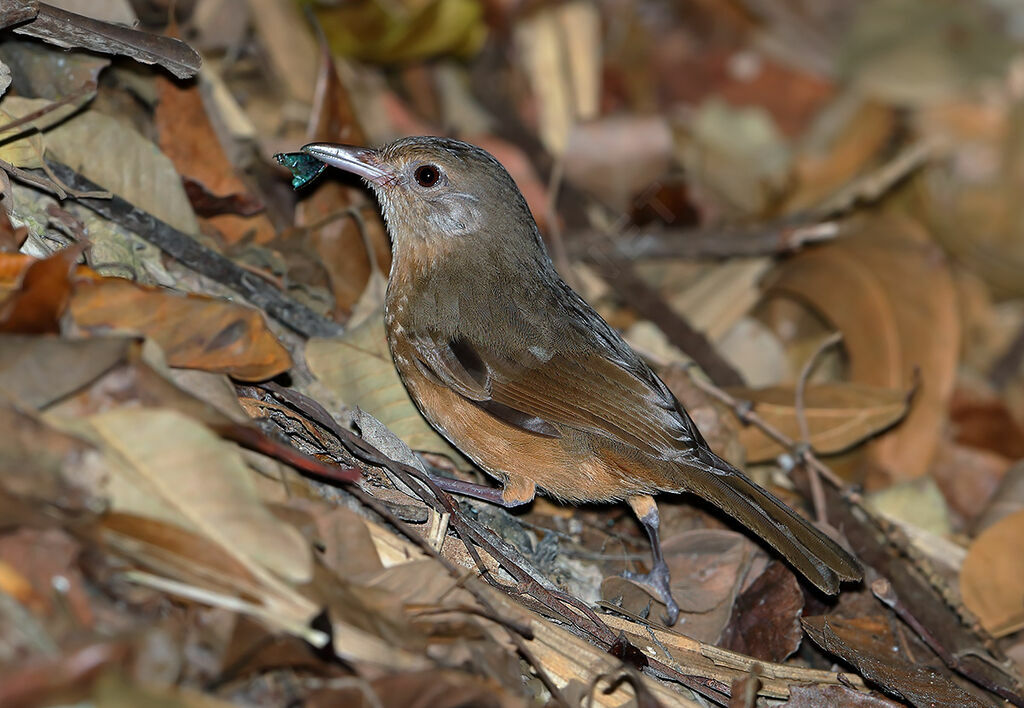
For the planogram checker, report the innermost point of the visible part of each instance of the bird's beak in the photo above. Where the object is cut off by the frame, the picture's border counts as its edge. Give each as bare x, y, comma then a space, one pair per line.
350, 158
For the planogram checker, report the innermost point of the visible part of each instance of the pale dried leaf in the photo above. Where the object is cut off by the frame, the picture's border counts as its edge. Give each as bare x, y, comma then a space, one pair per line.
166, 466
357, 367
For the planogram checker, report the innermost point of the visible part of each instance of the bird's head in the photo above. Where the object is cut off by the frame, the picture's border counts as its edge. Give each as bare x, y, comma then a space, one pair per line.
438, 193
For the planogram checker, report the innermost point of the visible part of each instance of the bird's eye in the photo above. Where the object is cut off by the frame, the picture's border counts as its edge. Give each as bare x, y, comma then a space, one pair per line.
427, 175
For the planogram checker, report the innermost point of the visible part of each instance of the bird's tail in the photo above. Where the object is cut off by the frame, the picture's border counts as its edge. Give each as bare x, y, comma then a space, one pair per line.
819, 558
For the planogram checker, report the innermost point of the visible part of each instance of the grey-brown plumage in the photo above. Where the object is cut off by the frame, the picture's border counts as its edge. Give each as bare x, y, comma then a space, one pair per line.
519, 373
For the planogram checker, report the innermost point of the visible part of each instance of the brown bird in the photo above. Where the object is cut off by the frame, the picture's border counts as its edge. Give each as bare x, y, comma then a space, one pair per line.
521, 375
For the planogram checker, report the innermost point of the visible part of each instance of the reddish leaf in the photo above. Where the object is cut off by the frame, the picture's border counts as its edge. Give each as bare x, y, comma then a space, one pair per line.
187, 137
36, 306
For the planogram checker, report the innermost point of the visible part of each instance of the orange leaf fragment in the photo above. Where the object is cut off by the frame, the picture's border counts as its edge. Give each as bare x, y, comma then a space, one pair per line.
195, 331
39, 301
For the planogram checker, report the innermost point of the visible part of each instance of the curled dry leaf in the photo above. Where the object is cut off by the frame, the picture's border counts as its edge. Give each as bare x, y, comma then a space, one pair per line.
839, 416
992, 576
195, 331
357, 367
39, 301
889, 291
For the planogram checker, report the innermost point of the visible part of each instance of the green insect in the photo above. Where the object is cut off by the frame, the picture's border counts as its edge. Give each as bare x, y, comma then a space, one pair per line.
305, 168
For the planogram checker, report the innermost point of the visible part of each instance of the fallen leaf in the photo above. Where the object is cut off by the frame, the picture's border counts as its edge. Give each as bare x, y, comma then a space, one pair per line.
889, 292
166, 466
42, 464
869, 646
426, 689
187, 137
38, 303
992, 576
818, 696
36, 371
839, 416
357, 367
1007, 499
40, 556
765, 622
119, 159
28, 151
968, 494
708, 567
917, 502
195, 331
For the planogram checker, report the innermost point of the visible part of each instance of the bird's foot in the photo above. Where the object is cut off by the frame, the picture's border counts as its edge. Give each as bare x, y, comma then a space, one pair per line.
657, 584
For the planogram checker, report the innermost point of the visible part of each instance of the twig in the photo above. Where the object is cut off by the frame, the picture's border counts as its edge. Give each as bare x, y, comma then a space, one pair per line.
719, 243
83, 90
70, 30
199, 258
817, 493
29, 178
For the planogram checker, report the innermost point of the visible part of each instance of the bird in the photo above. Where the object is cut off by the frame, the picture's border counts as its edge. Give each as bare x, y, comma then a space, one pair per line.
521, 375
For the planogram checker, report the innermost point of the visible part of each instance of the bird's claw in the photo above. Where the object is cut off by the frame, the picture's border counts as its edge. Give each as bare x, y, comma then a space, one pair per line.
657, 584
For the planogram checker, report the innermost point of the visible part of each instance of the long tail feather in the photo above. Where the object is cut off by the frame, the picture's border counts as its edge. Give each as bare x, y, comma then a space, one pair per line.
813, 553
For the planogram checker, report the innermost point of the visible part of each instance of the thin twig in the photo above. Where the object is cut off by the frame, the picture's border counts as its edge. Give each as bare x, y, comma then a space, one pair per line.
84, 89
817, 493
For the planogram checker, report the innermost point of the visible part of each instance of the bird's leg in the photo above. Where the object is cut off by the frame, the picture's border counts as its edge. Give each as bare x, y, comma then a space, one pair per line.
656, 581
516, 492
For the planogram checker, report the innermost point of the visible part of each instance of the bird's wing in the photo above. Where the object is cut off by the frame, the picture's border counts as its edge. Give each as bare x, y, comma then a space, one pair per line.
618, 399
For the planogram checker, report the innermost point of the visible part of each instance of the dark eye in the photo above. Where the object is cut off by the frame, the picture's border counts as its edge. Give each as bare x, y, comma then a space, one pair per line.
427, 175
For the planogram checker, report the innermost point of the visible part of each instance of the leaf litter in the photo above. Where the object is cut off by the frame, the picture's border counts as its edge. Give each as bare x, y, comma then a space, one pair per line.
212, 482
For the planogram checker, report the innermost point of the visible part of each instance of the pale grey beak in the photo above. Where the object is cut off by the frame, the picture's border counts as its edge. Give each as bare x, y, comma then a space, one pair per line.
350, 158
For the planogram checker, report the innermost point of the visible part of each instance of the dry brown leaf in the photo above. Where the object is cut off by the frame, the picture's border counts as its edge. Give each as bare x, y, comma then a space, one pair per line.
889, 292
765, 622
708, 567
818, 696
187, 137
426, 689
38, 303
36, 371
992, 576
868, 644
838, 415
195, 331
358, 369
